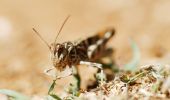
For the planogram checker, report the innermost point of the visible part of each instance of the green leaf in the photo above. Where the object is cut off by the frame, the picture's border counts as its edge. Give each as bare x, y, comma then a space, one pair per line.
132, 65
74, 87
77, 80
14, 94
52, 87
55, 97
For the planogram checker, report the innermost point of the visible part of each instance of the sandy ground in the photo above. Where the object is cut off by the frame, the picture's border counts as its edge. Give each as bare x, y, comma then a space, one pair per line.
23, 56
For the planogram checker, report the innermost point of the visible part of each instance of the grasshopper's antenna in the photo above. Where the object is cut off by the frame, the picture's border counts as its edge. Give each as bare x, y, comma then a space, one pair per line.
61, 28
41, 37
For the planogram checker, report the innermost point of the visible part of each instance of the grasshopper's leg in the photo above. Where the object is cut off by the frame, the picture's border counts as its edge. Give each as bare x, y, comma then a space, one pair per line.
53, 73
59, 77
91, 64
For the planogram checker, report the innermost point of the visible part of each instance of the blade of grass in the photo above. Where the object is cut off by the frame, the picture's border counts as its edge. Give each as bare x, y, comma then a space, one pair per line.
51, 89
139, 75
132, 65
14, 94
55, 97
136, 77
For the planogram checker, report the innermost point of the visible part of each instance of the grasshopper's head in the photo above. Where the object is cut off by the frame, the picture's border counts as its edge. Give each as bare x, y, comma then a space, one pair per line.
54, 49
58, 55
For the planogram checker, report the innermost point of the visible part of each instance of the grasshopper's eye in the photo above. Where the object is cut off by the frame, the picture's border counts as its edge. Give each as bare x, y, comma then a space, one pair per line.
50, 48
56, 48
55, 51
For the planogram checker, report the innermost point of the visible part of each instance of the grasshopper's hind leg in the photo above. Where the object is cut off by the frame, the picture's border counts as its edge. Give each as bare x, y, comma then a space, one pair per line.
91, 64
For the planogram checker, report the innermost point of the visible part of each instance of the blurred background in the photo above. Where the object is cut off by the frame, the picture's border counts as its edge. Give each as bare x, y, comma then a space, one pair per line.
23, 56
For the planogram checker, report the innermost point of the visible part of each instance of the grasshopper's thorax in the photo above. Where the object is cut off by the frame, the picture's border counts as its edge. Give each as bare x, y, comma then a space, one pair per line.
60, 54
